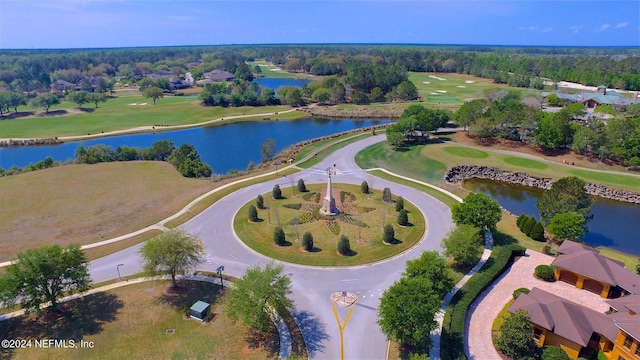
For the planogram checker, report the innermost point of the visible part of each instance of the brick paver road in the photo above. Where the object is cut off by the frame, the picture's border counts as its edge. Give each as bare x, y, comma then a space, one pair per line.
485, 308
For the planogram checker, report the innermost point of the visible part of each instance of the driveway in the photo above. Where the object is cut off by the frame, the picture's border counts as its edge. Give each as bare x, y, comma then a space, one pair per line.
484, 310
312, 286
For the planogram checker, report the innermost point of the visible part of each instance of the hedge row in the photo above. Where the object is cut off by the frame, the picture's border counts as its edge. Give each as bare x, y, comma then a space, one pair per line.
452, 339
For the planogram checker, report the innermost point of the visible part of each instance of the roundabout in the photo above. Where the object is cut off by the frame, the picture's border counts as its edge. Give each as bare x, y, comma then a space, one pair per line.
312, 286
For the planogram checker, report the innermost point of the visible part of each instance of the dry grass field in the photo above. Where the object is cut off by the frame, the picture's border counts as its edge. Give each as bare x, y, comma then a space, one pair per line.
88, 203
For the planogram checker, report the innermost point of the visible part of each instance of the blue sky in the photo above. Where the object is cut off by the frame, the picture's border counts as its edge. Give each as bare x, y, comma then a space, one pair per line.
125, 23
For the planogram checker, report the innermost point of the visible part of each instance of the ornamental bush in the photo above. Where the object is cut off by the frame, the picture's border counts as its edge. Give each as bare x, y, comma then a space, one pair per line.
528, 225
253, 214
364, 187
278, 236
520, 221
260, 202
301, 186
307, 241
537, 233
554, 353
545, 272
519, 291
403, 218
389, 234
399, 204
386, 195
276, 193
344, 248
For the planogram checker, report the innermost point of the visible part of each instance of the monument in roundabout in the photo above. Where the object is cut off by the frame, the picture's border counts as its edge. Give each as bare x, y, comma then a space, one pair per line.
329, 202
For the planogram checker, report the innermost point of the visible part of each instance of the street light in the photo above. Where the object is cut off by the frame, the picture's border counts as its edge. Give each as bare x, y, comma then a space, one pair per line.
118, 268
277, 163
220, 269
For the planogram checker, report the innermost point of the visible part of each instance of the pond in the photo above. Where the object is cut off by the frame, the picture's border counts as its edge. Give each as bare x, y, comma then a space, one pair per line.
613, 224
224, 147
275, 83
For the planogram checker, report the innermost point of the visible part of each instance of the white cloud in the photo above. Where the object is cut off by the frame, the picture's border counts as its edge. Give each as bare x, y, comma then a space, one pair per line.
622, 24
576, 29
603, 27
535, 29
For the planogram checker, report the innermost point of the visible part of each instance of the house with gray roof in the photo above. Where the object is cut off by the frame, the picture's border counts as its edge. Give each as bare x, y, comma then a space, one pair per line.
563, 323
585, 268
592, 100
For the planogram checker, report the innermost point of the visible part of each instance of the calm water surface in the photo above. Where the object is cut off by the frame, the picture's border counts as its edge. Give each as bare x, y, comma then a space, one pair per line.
614, 223
275, 83
223, 147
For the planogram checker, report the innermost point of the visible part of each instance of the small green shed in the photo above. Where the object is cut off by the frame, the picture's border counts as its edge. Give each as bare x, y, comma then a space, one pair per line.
200, 310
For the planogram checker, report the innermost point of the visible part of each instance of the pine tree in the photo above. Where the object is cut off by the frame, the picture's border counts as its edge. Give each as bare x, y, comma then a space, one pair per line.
276, 193
364, 187
399, 203
344, 247
386, 195
403, 218
307, 241
253, 214
278, 236
301, 186
389, 234
260, 202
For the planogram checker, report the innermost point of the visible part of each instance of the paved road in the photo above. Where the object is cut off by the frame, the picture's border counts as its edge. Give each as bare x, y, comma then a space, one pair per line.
312, 286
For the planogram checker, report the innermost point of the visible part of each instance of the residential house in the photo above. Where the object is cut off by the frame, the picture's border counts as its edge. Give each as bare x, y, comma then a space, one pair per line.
625, 313
583, 267
62, 85
218, 76
560, 322
592, 100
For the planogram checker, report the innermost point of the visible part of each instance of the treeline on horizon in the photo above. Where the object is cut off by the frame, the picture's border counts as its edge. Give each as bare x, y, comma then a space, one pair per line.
28, 70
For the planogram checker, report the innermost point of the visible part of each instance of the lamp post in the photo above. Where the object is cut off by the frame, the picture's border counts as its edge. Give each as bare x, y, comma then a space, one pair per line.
276, 164
220, 269
118, 269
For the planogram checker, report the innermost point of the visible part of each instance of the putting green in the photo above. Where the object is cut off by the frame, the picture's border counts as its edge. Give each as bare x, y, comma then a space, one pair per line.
361, 221
465, 152
525, 163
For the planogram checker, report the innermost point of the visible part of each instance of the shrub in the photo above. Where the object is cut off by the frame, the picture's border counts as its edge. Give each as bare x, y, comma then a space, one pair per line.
364, 187
301, 186
253, 214
451, 346
399, 204
389, 234
546, 249
519, 291
260, 202
294, 206
307, 241
344, 247
554, 353
545, 272
528, 225
537, 233
403, 218
386, 195
278, 236
520, 221
276, 193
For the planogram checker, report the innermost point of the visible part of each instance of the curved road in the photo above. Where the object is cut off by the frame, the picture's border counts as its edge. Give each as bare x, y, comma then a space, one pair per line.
312, 286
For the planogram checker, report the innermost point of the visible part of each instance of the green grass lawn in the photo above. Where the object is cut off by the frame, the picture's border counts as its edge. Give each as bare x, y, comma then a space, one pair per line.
271, 71
119, 113
131, 323
467, 152
370, 248
525, 163
451, 90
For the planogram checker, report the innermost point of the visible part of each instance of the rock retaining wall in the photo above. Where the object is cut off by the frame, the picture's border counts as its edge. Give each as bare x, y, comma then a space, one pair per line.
30, 142
460, 173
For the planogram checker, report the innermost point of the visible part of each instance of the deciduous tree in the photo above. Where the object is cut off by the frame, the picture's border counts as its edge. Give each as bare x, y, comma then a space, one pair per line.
464, 244
479, 210
569, 225
173, 252
566, 195
153, 93
45, 101
256, 296
516, 337
268, 150
43, 275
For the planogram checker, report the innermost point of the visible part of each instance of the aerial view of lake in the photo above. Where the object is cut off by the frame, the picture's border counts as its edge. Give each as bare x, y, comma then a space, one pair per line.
275, 83
224, 147
613, 224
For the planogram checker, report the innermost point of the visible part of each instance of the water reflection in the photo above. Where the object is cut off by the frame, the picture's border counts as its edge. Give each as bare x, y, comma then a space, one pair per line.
613, 224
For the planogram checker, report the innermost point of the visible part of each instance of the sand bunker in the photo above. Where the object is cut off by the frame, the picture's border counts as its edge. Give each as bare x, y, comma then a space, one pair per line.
433, 93
469, 82
134, 104
142, 104
426, 82
441, 91
276, 69
461, 86
437, 78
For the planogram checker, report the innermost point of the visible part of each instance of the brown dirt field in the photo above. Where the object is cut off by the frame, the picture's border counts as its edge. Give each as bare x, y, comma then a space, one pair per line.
88, 203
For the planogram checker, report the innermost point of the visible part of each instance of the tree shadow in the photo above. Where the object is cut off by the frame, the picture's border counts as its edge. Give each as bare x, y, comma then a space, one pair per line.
17, 115
286, 243
502, 239
77, 318
269, 341
313, 331
188, 292
53, 113
87, 110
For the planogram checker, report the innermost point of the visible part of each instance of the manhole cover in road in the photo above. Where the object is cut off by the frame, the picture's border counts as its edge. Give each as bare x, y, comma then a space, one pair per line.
170, 331
344, 298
